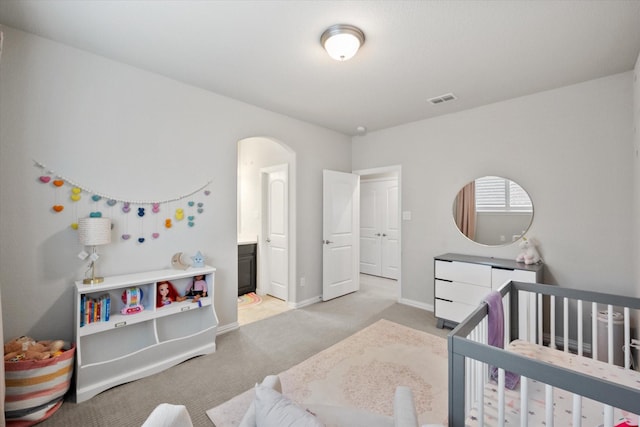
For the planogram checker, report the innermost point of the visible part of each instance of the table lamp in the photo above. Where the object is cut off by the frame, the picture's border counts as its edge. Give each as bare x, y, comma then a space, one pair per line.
93, 232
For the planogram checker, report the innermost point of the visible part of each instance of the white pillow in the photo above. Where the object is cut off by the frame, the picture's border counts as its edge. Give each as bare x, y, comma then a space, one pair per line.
275, 410
168, 415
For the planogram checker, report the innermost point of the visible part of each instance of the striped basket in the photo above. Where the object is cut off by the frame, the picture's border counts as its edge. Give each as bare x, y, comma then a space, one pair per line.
35, 388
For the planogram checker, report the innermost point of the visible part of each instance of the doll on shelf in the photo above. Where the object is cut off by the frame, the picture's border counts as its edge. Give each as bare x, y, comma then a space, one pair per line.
167, 294
197, 289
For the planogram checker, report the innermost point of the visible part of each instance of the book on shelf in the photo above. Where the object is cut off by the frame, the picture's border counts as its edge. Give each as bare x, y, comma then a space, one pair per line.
94, 309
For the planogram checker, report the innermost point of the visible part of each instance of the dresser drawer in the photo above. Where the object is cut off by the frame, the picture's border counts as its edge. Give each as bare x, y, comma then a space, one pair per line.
465, 272
500, 276
461, 292
451, 310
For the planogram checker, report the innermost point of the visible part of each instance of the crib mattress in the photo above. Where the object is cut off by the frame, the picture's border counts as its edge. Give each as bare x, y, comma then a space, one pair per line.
592, 412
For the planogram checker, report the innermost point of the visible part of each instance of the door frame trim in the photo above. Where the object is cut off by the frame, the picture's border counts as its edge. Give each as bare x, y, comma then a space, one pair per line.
393, 169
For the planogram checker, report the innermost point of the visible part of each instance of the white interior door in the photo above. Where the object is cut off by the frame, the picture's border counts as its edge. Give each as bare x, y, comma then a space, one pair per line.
370, 232
390, 246
379, 228
276, 235
341, 229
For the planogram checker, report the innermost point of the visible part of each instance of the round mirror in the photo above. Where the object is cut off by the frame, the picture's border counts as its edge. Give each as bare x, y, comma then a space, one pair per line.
493, 211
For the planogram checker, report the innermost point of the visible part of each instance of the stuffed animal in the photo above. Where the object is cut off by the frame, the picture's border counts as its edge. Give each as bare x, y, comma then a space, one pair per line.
26, 348
529, 254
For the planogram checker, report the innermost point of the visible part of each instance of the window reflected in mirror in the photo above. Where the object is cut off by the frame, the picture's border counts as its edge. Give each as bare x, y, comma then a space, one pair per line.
493, 211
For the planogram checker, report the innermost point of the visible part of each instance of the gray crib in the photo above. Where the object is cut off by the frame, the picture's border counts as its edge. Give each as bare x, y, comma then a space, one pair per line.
576, 388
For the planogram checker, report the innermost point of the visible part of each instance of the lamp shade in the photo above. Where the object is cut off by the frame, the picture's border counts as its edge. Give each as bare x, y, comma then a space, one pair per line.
94, 231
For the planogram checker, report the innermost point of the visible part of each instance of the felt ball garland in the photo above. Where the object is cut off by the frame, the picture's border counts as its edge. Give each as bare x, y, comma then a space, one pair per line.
141, 208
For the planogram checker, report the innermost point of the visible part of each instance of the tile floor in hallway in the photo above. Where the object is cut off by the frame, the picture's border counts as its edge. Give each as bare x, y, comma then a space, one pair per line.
271, 306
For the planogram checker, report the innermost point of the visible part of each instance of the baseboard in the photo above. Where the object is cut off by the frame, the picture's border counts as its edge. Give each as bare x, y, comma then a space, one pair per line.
416, 304
227, 328
305, 303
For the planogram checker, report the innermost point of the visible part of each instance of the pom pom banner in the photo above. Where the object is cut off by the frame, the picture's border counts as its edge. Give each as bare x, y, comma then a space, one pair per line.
143, 208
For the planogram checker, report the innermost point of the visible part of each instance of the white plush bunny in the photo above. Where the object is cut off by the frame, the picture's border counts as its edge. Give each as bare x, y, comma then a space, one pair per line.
529, 254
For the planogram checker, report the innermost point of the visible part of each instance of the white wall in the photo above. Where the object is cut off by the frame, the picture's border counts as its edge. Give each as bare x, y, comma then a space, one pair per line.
135, 135
570, 150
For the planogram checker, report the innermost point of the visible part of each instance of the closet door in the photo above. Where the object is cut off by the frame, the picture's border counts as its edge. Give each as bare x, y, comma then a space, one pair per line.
379, 244
369, 229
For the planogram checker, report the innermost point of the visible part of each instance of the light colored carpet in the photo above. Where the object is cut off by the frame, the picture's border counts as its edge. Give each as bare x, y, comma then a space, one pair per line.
362, 371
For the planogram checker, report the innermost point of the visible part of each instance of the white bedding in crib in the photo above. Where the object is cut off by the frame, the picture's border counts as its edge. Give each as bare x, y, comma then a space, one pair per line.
592, 412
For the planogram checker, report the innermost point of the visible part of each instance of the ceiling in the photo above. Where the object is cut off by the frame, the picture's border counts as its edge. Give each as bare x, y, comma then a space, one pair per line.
268, 53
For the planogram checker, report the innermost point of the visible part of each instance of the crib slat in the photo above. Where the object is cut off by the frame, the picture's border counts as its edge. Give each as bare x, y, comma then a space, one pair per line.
565, 323
540, 320
627, 339
506, 317
524, 401
579, 319
552, 325
610, 334
608, 416
577, 410
594, 330
548, 405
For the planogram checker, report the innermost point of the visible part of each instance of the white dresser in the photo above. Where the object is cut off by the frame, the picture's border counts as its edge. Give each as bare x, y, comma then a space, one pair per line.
462, 281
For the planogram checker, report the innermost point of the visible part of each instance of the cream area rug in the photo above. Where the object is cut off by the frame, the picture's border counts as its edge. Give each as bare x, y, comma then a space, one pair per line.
362, 371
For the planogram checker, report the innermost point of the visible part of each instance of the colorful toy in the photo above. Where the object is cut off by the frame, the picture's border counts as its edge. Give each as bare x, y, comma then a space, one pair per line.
26, 348
198, 260
132, 299
166, 294
197, 289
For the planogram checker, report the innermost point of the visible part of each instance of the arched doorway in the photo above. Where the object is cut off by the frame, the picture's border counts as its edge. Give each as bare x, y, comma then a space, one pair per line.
261, 162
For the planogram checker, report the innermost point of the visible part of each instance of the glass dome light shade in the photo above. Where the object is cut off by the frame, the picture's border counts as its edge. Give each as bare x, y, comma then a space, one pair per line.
342, 41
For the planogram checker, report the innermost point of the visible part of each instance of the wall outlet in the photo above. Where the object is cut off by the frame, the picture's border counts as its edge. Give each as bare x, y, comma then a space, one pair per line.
302, 281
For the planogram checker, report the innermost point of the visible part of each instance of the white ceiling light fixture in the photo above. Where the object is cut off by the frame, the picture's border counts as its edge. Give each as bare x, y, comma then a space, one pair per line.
342, 41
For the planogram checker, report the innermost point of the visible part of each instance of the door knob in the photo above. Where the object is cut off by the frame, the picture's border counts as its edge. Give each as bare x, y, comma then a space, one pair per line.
384, 235
326, 242
268, 240
377, 234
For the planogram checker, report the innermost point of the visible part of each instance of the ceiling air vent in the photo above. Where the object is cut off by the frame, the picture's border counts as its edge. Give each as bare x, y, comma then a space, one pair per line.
442, 98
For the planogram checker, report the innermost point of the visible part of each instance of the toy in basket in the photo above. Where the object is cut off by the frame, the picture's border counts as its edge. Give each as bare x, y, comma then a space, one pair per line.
132, 299
37, 376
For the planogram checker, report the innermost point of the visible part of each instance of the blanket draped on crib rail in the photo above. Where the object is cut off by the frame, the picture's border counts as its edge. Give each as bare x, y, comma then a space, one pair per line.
495, 318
